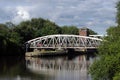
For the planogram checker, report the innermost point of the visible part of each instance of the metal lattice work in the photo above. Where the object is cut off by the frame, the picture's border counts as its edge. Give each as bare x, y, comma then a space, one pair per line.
64, 41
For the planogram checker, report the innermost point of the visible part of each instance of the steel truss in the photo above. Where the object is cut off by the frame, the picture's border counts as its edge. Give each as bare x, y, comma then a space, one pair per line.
64, 41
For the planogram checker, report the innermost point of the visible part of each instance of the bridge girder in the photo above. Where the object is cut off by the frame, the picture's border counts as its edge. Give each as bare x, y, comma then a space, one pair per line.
64, 41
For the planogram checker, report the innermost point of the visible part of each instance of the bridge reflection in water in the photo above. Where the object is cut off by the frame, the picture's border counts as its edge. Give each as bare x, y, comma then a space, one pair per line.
61, 68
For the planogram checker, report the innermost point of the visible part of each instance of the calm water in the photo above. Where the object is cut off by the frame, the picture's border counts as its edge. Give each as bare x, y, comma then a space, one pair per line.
74, 67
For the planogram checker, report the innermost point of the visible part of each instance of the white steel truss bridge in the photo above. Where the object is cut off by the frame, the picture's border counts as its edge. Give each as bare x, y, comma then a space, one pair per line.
64, 42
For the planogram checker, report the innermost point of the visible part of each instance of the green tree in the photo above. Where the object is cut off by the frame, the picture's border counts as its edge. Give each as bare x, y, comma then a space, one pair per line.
108, 66
91, 32
3, 30
10, 24
8, 43
3, 37
36, 27
109, 52
70, 30
25, 30
14, 36
50, 28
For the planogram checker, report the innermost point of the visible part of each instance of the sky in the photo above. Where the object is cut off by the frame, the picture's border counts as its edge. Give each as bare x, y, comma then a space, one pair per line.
97, 15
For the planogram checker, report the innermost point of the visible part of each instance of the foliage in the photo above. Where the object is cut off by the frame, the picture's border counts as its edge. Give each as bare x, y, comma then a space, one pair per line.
109, 52
12, 37
108, 66
3, 37
91, 32
70, 30
3, 30
36, 28
8, 41
25, 30
50, 28
117, 76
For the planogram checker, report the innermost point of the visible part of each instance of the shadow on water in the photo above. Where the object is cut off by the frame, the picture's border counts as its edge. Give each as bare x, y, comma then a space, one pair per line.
70, 55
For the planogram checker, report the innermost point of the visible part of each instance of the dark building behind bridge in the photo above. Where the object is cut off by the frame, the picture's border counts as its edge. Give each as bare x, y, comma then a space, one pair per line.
84, 31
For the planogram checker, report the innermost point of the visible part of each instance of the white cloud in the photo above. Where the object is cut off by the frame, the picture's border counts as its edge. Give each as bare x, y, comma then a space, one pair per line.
21, 15
90, 24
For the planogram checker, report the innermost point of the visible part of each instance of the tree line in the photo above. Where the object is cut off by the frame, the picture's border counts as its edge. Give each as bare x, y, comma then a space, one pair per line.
12, 36
107, 67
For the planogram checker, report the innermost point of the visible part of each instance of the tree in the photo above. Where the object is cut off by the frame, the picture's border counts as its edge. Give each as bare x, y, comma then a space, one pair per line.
3, 30
3, 37
14, 36
108, 66
8, 41
91, 32
10, 24
70, 30
49, 29
25, 30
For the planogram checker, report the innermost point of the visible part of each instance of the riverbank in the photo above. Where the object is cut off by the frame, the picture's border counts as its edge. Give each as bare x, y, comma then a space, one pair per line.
37, 53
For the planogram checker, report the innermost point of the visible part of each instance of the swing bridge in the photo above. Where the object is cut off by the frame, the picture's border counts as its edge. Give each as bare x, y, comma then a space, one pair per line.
63, 41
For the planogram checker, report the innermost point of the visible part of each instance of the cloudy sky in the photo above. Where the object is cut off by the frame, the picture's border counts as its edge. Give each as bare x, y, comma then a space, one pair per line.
97, 15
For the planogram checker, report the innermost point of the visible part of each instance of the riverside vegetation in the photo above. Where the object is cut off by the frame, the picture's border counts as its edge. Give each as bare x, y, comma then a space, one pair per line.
13, 37
107, 67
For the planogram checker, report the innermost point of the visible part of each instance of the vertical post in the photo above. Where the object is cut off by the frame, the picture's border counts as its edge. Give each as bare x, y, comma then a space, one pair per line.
53, 42
26, 47
59, 42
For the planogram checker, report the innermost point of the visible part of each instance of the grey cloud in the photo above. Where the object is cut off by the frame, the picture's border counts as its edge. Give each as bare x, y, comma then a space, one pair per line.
6, 15
95, 14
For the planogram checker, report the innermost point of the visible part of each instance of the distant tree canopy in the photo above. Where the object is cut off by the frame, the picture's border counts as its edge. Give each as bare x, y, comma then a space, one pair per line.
108, 66
3, 30
12, 35
70, 30
75, 30
9, 41
91, 32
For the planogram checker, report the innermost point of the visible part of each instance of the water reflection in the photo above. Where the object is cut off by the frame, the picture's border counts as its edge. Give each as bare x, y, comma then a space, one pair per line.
61, 68
14, 68
72, 67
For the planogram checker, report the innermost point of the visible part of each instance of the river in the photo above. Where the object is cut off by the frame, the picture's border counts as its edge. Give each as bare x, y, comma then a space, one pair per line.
67, 67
